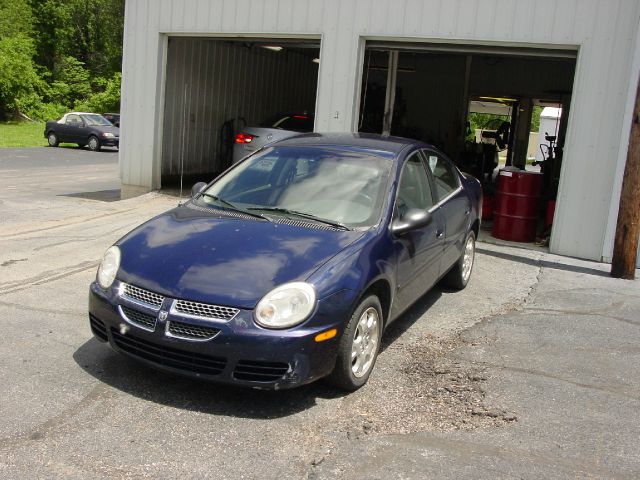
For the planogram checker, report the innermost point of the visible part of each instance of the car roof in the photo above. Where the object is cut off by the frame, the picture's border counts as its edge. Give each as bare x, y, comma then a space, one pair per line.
366, 141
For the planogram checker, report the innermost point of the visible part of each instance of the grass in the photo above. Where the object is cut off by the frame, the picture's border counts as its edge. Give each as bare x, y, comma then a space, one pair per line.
22, 134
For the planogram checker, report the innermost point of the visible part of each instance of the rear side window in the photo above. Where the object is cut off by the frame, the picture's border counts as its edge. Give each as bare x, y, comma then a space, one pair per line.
73, 120
444, 174
414, 190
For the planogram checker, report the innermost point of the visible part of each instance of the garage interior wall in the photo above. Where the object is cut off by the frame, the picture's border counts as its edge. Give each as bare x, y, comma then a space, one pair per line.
226, 81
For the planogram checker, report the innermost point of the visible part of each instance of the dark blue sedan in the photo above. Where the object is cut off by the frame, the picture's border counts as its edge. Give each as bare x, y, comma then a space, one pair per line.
288, 267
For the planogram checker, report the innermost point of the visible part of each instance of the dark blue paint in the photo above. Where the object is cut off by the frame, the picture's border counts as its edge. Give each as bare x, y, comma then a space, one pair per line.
205, 257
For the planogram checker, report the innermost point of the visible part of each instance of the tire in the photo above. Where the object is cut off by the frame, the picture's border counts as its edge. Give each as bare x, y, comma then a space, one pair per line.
459, 275
363, 333
94, 144
53, 139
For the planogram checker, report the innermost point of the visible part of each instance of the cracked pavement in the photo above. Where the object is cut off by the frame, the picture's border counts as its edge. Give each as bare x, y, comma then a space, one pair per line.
530, 372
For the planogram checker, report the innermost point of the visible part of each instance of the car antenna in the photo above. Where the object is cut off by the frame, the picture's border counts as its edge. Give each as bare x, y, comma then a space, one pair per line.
184, 130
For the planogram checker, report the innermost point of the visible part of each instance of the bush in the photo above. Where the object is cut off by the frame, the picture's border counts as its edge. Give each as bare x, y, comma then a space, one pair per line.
105, 101
33, 107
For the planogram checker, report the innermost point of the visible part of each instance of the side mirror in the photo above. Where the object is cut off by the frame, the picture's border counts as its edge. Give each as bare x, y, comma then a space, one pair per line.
412, 220
197, 188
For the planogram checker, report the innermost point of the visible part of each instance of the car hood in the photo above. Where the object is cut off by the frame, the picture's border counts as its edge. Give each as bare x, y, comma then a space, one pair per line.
205, 257
107, 129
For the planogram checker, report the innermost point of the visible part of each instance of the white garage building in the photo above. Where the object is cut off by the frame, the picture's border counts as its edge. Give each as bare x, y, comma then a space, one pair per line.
197, 70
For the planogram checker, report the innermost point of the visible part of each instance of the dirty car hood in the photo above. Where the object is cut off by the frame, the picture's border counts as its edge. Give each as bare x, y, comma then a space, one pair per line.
206, 257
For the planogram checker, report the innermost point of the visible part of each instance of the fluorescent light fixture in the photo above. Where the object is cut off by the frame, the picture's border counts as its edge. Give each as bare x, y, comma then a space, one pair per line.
274, 48
316, 60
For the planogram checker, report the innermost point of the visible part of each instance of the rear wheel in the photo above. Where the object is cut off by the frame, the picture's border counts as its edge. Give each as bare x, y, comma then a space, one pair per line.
359, 346
52, 138
459, 275
94, 144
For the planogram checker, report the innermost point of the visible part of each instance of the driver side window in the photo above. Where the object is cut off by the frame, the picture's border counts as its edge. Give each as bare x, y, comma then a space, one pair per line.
74, 120
414, 190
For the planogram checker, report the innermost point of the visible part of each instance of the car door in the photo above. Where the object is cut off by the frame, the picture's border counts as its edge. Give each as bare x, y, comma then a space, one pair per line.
418, 251
74, 129
454, 204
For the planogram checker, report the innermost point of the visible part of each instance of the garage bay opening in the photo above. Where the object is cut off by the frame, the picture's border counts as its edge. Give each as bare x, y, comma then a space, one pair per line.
500, 113
217, 90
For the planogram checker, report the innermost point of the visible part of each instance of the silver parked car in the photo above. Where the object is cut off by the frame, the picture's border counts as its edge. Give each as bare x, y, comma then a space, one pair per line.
278, 127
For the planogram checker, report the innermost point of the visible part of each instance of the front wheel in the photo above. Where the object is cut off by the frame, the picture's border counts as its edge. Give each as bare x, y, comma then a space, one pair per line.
359, 346
52, 138
94, 144
459, 275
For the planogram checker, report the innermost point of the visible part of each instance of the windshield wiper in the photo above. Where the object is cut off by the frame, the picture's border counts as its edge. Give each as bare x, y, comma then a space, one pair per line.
296, 213
230, 205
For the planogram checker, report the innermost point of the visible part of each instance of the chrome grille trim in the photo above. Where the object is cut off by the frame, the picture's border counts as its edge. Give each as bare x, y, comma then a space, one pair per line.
187, 331
206, 311
139, 319
137, 294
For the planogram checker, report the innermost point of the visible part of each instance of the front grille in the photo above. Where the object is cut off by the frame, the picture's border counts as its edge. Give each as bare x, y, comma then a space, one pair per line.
142, 295
205, 310
148, 322
191, 332
98, 328
168, 357
260, 371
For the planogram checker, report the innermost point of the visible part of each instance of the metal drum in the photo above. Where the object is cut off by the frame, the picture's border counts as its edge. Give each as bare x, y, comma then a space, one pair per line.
517, 205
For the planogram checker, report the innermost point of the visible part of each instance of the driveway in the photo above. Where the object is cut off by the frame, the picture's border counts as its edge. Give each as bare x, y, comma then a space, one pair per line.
518, 375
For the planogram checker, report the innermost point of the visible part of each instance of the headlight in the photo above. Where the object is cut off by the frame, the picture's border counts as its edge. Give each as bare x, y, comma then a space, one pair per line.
109, 267
108, 135
286, 305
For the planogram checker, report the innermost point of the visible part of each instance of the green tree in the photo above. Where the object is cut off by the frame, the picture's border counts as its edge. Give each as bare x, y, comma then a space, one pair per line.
88, 30
72, 82
18, 76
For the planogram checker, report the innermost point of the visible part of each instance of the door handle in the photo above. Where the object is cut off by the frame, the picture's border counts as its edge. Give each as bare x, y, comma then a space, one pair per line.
439, 233
467, 211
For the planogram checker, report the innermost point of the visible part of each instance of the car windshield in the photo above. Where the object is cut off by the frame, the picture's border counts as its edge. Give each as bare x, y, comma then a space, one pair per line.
96, 119
343, 185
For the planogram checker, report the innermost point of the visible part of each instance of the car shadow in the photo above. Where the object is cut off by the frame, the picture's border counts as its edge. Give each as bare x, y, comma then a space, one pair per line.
76, 147
125, 374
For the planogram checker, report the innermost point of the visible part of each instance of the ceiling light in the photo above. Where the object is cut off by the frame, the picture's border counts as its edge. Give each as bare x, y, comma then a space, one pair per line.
316, 60
274, 48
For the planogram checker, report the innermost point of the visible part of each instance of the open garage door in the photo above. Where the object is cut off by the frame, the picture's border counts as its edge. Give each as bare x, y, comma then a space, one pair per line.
442, 94
215, 87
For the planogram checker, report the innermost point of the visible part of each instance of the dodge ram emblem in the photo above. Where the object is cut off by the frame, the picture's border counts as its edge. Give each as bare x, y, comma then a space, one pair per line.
162, 316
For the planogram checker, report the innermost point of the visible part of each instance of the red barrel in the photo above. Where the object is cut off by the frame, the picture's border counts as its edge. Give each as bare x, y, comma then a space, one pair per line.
487, 207
517, 203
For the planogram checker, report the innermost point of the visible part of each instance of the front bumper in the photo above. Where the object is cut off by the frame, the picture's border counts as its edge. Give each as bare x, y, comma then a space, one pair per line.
241, 353
110, 142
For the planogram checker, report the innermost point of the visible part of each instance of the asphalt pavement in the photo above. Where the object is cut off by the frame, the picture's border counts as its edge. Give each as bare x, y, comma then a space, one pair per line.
530, 372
